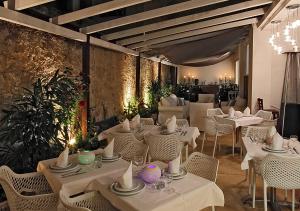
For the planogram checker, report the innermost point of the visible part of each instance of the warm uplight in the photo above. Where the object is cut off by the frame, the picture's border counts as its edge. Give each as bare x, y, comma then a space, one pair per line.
72, 141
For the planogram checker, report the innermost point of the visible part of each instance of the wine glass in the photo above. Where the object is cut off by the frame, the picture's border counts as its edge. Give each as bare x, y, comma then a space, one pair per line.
167, 178
138, 160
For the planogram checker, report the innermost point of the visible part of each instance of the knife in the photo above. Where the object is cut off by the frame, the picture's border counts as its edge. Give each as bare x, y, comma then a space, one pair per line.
75, 173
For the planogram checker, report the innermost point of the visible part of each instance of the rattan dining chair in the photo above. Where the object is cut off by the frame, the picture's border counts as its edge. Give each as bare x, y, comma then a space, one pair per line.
260, 134
29, 191
147, 121
213, 128
122, 140
163, 147
90, 201
182, 123
266, 115
202, 165
133, 149
282, 173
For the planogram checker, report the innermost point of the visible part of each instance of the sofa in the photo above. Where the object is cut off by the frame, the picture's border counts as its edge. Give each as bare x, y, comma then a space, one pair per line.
172, 105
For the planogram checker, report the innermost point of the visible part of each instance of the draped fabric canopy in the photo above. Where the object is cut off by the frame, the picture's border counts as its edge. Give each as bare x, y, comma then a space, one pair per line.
207, 51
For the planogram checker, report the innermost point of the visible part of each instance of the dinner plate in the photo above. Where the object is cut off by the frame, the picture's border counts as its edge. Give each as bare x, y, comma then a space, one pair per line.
268, 149
54, 166
135, 185
175, 174
140, 188
164, 132
72, 167
115, 157
182, 173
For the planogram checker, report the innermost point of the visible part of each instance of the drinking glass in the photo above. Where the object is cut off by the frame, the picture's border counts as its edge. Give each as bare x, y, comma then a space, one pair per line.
167, 178
97, 162
138, 160
294, 137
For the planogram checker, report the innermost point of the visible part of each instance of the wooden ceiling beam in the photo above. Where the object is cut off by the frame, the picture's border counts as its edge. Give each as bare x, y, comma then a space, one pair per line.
275, 8
186, 19
24, 4
175, 8
95, 10
194, 26
194, 33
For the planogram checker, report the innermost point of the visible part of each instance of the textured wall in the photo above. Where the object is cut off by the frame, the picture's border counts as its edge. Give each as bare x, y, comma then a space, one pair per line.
149, 73
112, 81
26, 54
165, 74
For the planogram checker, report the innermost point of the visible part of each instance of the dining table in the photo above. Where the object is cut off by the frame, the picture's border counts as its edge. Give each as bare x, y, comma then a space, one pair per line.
254, 151
190, 193
187, 135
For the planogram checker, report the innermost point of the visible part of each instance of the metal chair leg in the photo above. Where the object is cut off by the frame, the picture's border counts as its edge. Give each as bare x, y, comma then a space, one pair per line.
216, 138
253, 189
203, 139
265, 197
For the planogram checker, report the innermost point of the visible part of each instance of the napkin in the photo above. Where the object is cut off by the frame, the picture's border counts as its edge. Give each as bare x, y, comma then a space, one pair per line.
231, 112
272, 131
171, 125
247, 111
125, 126
277, 142
294, 145
109, 149
174, 165
126, 179
136, 121
62, 160
238, 114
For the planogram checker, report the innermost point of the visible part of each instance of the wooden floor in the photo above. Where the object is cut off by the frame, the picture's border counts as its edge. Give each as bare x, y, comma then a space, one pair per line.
231, 179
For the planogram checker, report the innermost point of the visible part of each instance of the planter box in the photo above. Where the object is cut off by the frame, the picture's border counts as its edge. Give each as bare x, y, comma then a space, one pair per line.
4, 206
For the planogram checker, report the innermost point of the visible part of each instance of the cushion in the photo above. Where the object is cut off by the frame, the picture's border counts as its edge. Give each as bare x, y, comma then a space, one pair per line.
165, 102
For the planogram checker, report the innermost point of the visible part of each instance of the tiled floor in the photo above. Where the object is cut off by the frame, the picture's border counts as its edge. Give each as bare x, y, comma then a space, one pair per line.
231, 179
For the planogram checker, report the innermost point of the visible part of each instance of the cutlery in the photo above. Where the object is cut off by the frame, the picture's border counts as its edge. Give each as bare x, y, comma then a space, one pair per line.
295, 150
251, 140
69, 175
185, 133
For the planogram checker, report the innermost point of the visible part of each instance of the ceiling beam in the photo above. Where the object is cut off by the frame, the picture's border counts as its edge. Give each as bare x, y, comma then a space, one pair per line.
193, 33
95, 10
24, 4
186, 19
180, 7
194, 26
35, 23
275, 8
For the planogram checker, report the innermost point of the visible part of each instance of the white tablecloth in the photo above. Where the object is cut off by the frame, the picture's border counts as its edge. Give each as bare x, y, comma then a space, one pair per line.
78, 183
192, 193
239, 122
254, 151
189, 138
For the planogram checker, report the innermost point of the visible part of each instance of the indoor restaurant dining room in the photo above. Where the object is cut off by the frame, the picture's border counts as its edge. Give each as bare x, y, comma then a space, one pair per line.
149, 105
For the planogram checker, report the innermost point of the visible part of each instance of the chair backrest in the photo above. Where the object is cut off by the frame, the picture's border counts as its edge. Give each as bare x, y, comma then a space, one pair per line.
206, 98
121, 140
257, 132
232, 95
214, 111
147, 121
266, 115
202, 165
281, 171
133, 149
260, 103
198, 114
163, 147
182, 122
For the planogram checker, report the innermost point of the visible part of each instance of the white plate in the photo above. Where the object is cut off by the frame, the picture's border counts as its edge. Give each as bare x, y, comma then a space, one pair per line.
164, 132
115, 156
55, 167
268, 149
135, 185
70, 168
181, 170
180, 175
111, 159
140, 188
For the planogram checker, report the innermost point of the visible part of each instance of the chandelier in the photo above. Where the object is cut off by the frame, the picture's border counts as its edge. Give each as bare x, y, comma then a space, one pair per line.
285, 33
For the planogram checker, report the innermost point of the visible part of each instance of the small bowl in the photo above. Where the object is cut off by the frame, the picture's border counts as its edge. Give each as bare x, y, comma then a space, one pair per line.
86, 157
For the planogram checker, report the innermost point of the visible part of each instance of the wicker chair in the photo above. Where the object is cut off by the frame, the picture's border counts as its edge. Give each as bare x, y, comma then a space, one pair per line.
202, 165
163, 147
147, 121
213, 128
198, 114
122, 140
266, 115
280, 172
182, 123
27, 191
91, 201
135, 148
261, 134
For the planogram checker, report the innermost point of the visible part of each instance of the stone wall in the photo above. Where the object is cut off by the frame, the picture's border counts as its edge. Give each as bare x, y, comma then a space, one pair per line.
165, 74
149, 73
112, 76
26, 54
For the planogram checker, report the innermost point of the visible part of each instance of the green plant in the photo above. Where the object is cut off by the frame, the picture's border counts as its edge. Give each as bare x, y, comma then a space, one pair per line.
36, 126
